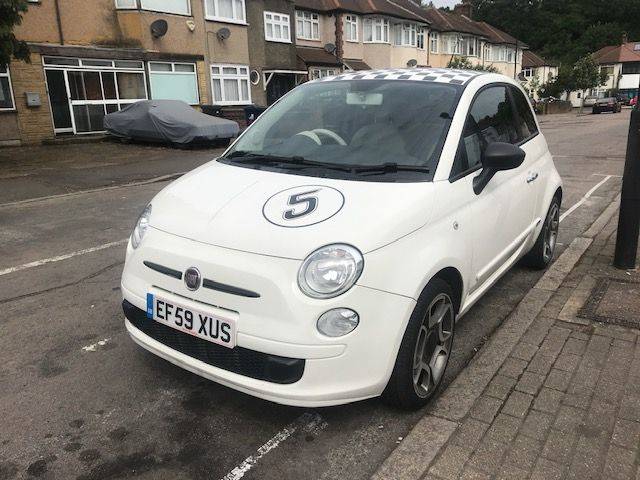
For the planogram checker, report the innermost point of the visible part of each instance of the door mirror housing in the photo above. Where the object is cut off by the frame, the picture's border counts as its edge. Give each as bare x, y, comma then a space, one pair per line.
497, 157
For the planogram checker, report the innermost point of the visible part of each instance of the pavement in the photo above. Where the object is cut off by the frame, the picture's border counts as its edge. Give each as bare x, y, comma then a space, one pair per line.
555, 393
79, 400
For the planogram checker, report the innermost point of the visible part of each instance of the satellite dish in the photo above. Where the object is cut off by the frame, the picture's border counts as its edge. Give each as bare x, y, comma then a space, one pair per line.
330, 48
412, 63
223, 33
159, 28
254, 77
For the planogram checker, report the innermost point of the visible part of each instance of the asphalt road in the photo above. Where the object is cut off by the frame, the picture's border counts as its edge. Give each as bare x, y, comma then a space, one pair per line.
79, 400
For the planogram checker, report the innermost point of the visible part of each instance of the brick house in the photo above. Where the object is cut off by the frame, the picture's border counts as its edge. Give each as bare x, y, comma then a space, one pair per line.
274, 63
86, 63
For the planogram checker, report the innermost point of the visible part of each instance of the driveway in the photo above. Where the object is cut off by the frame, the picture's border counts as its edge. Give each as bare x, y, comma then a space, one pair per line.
79, 400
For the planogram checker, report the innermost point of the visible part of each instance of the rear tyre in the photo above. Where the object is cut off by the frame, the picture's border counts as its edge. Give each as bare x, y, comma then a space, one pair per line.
542, 252
425, 349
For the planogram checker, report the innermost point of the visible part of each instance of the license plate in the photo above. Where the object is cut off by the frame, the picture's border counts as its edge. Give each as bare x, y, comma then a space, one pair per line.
198, 323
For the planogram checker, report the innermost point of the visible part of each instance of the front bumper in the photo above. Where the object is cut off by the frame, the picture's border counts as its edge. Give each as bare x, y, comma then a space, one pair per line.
280, 325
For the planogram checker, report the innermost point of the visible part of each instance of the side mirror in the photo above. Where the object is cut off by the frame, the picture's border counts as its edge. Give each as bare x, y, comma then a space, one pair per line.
498, 156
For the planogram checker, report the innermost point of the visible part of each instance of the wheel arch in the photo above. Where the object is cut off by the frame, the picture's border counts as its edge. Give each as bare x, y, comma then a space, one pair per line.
453, 278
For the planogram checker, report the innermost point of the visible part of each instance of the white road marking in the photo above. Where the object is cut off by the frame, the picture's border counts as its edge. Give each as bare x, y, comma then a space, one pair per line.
94, 346
308, 422
59, 258
93, 190
605, 175
584, 198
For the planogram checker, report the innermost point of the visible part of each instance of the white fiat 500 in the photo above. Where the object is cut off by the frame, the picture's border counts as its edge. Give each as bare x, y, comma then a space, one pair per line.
325, 257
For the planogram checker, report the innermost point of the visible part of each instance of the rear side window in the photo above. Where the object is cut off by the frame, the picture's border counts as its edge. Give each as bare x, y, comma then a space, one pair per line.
524, 116
490, 120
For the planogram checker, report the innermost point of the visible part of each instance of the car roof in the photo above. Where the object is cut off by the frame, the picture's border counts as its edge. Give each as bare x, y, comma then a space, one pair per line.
437, 75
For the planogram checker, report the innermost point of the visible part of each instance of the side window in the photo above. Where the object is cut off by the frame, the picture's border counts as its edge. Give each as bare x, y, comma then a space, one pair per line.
490, 120
524, 116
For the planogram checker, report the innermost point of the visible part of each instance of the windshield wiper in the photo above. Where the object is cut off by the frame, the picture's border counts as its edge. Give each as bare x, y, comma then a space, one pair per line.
390, 168
260, 158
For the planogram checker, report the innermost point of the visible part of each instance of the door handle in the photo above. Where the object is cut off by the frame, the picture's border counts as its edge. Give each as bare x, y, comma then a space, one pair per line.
532, 177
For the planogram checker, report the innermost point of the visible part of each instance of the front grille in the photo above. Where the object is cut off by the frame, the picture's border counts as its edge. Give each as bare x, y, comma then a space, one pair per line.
258, 365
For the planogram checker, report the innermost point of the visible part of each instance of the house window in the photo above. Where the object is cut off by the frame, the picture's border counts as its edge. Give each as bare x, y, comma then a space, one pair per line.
376, 30
126, 4
6, 93
510, 54
174, 81
433, 42
318, 72
630, 68
307, 25
452, 44
276, 27
488, 53
225, 10
527, 72
405, 35
181, 7
351, 28
469, 46
420, 38
607, 69
498, 53
230, 84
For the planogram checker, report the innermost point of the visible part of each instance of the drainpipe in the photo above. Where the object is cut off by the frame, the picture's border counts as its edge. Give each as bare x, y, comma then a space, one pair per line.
515, 62
339, 37
59, 21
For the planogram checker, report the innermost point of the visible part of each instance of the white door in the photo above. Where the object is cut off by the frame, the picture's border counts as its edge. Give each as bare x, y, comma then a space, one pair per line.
502, 215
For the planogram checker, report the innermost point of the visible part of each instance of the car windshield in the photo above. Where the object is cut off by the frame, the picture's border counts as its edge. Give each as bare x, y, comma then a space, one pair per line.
378, 130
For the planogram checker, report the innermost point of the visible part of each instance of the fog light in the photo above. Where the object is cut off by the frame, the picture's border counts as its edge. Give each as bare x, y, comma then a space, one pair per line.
337, 322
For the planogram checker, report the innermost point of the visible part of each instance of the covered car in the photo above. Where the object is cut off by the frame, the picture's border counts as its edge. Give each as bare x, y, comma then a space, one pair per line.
170, 121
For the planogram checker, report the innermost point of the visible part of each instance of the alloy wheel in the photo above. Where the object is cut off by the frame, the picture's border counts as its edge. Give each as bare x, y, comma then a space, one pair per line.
433, 345
551, 226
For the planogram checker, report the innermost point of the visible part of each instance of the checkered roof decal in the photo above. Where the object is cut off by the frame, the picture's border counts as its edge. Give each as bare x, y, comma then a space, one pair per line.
439, 75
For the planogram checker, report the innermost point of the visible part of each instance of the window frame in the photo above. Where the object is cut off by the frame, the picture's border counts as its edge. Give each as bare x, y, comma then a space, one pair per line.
138, 5
385, 28
352, 21
238, 76
215, 18
454, 177
433, 35
274, 22
405, 35
174, 72
300, 17
328, 72
134, 7
7, 75
528, 72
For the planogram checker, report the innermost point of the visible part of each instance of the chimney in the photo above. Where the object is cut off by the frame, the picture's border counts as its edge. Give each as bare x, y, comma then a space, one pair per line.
465, 8
625, 38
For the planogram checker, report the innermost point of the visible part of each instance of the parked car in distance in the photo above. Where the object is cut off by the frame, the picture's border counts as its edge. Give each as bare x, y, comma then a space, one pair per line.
590, 100
325, 257
623, 99
609, 104
168, 121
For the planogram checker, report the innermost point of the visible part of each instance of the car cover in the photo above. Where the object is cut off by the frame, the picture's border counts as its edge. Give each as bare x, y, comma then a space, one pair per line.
168, 121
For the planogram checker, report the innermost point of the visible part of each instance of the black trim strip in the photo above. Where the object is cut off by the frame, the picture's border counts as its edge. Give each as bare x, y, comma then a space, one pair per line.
206, 283
221, 287
165, 270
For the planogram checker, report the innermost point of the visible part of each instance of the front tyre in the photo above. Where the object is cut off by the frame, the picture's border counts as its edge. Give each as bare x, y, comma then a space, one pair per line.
542, 252
425, 349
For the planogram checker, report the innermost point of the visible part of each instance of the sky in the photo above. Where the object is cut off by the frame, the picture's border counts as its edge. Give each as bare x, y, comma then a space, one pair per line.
445, 3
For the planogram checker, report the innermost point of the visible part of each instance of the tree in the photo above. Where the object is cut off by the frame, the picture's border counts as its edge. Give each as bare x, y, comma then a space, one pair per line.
10, 47
463, 63
563, 30
587, 75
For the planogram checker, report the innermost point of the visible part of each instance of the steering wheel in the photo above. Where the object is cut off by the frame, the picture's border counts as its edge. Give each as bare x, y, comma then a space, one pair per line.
313, 135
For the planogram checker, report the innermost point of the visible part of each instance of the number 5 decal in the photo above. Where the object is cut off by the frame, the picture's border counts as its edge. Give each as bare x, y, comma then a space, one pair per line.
310, 204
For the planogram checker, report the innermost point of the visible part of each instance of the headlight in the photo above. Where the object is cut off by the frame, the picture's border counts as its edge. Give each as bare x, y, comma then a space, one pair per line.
141, 227
330, 271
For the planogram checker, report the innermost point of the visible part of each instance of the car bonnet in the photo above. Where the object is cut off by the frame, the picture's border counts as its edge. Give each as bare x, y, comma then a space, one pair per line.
286, 215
